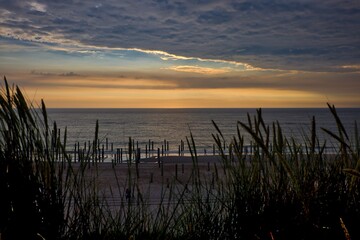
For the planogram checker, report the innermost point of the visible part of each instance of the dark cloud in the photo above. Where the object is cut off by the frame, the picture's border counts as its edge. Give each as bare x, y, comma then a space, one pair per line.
214, 17
69, 74
66, 74
305, 35
40, 73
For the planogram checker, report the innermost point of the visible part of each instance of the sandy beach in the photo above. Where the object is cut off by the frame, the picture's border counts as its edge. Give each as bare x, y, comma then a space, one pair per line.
149, 177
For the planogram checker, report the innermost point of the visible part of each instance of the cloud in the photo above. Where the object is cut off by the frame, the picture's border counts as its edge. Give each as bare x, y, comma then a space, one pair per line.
298, 35
69, 74
214, 17
37, 7
65, 74
198, 69
352, 67
40, 73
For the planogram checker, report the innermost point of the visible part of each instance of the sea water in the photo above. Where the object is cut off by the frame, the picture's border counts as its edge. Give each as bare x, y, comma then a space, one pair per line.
117, 126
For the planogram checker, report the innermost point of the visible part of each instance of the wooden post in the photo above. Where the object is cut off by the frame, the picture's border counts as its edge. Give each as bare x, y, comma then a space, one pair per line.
146, 151
158, 156
75, 153
138, 154
98, 146
137, 162
78, 149
117, 155
130, 149
176, 171
103, 153
121, 155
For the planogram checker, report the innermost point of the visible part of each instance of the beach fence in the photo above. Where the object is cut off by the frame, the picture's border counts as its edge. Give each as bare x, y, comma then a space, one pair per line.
133, 150
107, 151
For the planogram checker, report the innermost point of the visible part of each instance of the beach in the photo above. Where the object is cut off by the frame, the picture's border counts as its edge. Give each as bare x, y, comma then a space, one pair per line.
149, 177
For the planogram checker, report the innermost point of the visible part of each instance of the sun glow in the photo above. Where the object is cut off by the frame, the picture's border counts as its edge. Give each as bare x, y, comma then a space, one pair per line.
82, 96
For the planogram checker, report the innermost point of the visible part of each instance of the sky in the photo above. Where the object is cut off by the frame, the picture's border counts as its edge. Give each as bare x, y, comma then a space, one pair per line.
182, 54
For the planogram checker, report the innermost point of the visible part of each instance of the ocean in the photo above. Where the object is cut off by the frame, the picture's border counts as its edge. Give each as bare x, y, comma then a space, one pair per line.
173, 125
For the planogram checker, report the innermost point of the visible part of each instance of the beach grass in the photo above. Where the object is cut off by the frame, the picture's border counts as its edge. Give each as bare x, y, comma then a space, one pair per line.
279, 189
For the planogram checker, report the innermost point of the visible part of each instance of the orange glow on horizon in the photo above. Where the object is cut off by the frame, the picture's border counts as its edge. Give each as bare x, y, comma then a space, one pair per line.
65, 91
190, 98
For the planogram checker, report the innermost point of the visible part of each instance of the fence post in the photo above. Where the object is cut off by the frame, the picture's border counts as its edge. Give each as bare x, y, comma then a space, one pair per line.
176, 171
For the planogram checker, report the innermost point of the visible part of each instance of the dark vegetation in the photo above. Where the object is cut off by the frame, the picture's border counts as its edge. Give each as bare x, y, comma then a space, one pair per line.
284, 190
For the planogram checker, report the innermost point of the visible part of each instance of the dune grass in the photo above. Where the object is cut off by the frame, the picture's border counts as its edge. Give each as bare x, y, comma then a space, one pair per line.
30, 182
284, 189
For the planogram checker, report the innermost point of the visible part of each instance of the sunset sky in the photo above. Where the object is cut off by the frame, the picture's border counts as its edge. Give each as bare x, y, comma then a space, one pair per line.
196, 53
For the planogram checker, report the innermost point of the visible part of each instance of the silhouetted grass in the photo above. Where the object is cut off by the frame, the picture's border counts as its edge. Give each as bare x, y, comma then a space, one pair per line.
284, 189
289, 190
31, 186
